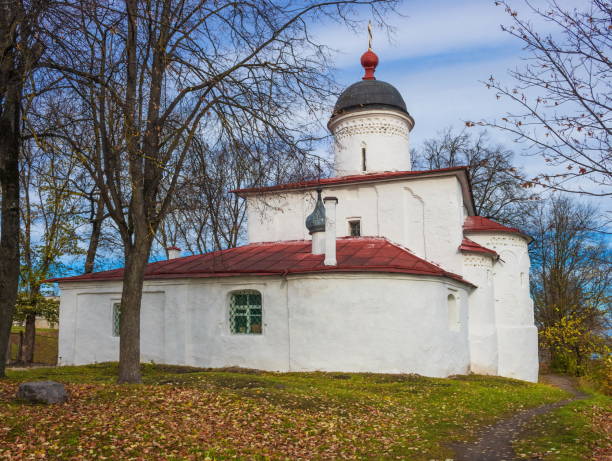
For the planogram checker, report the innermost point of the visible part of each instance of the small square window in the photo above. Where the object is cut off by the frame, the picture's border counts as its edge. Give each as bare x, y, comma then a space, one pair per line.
116, 319
246, 313
355, 228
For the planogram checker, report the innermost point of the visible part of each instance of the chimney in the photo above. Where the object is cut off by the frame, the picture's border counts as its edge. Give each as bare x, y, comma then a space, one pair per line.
173, 252
330, 230
315, 223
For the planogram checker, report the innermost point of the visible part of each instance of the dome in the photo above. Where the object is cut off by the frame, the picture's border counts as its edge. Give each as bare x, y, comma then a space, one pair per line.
315, 222
373, 94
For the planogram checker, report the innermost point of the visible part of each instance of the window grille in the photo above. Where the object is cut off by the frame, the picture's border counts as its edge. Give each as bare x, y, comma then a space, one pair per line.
245, 312
116, 319
355, 228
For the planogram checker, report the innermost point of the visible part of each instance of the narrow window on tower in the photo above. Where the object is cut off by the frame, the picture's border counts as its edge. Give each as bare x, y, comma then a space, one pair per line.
363, 159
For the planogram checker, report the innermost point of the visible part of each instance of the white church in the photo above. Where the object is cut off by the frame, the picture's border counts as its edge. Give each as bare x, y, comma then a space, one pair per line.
377, 269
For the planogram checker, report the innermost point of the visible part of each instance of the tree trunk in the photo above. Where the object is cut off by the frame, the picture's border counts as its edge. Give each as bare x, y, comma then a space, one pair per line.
9, 214
135, 248
94, 239
29, 339
129, 342
7, 358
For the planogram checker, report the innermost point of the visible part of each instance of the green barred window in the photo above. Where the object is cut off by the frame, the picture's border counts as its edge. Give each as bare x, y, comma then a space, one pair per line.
116, 318
245, 312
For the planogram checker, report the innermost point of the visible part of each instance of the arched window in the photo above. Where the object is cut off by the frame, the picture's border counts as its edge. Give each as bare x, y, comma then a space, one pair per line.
453, 313
245, 313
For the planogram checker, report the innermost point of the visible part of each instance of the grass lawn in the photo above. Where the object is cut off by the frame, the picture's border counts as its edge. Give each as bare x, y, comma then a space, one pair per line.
45, 345
581, 430
183, 413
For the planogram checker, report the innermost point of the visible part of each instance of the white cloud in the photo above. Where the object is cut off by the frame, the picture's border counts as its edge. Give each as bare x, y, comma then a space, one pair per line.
426, 31
428, 28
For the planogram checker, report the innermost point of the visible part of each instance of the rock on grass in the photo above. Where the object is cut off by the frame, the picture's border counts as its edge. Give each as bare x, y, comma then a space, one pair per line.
42, 392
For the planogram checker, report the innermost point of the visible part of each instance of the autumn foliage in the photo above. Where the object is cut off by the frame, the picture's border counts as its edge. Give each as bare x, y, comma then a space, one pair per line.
573, 346
183, 413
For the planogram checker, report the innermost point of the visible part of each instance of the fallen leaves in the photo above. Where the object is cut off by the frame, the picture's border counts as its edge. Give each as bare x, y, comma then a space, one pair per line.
220, 415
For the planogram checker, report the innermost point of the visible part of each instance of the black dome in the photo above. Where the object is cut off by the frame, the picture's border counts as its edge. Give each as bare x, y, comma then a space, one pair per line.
370, 93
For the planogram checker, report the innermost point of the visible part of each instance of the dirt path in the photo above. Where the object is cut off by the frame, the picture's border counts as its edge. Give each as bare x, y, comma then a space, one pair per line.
495, 443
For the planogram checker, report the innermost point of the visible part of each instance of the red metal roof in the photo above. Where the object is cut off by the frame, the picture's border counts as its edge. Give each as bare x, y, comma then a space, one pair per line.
357, 178
480, 224
473, 247
362, 254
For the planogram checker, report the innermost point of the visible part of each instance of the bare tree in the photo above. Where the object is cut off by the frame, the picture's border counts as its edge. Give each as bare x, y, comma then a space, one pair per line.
206, 215
563, 94
571, 269
20, 49
57, 127
150, 75
496, 182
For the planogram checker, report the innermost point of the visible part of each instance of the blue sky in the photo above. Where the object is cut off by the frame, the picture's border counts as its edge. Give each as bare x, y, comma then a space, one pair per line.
437, 57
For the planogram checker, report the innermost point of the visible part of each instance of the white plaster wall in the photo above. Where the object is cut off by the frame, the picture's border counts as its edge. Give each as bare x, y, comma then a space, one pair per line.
478, 269
86, 324
425, 215
516, 332
211, 342
375, 322
67, 324
383, 133
342, 322
182, 322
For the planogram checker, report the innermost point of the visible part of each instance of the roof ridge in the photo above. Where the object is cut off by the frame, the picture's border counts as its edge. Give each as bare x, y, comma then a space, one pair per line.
347, 179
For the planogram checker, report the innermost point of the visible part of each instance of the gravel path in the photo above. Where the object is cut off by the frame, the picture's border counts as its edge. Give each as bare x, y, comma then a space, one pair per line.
495, 443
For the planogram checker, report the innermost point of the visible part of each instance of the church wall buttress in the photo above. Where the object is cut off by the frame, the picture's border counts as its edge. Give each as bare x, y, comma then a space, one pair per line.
478, 269
516, 332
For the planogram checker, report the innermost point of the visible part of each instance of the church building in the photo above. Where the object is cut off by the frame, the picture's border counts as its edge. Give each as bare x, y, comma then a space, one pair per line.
377, 269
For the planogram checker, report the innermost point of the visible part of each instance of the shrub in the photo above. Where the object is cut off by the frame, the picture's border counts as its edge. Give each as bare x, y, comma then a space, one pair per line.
571, 345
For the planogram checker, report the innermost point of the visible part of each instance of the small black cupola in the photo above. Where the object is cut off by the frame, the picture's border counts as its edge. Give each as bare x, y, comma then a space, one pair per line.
315, 222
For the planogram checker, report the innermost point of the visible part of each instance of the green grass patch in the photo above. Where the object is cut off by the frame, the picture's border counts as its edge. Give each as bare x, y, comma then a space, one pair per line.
182, 412
581, 430
45, 345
